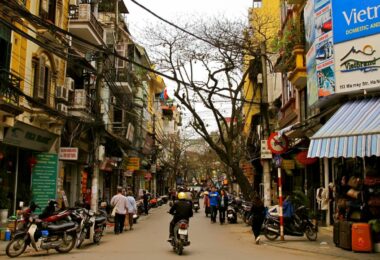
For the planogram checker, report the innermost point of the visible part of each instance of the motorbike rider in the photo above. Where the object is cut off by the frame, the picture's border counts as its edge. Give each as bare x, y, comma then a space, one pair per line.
181, 209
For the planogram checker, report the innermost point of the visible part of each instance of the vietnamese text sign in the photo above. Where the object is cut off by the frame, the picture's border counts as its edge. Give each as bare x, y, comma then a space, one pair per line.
68, 153
133, 163
44, 178
355, 19
357, 64
30, 137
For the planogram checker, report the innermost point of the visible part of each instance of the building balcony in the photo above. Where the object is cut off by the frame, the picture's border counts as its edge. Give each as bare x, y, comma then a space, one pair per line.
9, 93
83, 23
298, 74
122, 77
288, 113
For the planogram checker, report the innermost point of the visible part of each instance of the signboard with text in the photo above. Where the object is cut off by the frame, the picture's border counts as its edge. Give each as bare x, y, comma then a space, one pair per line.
357, 64
133, 164
68, 153
44, 179
355, 19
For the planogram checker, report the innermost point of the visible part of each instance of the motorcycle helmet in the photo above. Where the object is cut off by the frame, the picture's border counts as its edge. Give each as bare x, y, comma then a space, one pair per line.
205, 193
181, 196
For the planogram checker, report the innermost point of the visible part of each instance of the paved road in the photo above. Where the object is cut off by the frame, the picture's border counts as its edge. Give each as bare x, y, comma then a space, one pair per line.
208, 241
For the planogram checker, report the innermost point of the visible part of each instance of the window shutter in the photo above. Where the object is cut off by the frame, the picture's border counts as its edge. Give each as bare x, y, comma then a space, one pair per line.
41, 77
120, 49
46, 91
45, 6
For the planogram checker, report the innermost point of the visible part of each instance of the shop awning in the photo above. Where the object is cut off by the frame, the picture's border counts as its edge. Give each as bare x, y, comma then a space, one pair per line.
353, 131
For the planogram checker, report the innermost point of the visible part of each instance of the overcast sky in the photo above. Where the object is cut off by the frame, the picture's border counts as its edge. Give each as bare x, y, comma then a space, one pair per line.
171, 10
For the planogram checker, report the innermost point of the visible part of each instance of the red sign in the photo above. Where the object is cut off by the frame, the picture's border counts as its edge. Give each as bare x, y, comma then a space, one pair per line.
278, 144
68, 153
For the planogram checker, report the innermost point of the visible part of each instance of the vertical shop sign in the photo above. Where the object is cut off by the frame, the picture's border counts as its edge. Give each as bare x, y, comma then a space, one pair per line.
44, 179
320, 50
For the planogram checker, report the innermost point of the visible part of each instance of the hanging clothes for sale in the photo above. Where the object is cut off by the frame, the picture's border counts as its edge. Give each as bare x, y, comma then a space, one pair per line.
322, 198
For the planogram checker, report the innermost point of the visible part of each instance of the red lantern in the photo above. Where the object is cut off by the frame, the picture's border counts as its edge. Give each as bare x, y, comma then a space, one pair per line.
32, 161
301, 157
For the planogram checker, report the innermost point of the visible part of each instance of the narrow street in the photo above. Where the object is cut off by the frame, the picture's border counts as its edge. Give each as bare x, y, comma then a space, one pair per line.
208, 241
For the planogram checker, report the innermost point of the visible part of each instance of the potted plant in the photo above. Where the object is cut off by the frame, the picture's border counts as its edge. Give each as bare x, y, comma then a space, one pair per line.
4, 206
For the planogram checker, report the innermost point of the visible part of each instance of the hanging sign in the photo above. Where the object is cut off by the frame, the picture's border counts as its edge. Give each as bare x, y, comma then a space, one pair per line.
278, 144
44, 179
68, 153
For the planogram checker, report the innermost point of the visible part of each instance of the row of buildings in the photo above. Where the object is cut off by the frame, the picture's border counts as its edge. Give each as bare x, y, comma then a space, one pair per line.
81, 108
320, 91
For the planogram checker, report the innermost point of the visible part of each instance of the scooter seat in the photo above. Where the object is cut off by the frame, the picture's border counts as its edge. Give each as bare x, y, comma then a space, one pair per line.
100, 219
64, 226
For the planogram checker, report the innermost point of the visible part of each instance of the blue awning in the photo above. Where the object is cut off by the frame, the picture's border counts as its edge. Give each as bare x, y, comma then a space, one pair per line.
353, 131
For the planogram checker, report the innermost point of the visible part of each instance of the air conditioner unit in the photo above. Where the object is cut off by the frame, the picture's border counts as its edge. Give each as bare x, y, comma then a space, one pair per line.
62, 108
80, 99
70, 84
62, 93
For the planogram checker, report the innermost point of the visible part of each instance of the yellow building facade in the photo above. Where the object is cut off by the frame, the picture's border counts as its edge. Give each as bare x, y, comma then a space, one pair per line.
264, 21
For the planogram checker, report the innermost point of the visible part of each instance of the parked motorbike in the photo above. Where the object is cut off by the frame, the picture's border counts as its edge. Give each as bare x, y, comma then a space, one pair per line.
196, 206
232, 212
301, 224
91, 227
44, 234
181, 236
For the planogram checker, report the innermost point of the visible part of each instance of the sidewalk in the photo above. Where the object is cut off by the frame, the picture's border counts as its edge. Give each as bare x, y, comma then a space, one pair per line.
323, 246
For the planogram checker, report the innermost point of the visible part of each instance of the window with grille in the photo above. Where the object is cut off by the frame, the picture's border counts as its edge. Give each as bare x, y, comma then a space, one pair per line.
257, 3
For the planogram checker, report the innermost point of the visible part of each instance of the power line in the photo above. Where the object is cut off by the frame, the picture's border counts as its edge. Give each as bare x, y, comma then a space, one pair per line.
21, 10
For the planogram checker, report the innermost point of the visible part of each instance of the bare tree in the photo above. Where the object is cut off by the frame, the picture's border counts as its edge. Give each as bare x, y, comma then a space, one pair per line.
209, 70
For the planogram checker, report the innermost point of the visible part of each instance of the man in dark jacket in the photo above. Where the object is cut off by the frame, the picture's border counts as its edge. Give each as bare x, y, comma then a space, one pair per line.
182, 209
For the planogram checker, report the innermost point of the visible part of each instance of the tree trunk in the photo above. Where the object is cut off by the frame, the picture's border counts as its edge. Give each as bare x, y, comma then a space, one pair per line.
243, 182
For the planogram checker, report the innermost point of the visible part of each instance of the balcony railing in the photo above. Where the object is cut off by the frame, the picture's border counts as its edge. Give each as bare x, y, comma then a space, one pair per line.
8, 83
82, 13
9, 96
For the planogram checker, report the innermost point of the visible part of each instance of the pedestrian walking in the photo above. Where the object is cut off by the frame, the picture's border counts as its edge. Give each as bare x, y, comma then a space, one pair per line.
119, 201
223, 204
206, 203
132, 209
214, 203
258, 215
146, 202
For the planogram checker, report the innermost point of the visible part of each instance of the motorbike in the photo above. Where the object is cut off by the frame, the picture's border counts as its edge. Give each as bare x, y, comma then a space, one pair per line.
245, 212
196, 206
44, 234
301, 223
92, 226
232, 213
181, 236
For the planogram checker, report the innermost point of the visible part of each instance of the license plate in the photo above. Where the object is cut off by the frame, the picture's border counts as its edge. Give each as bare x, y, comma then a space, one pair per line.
230, 215
182, 231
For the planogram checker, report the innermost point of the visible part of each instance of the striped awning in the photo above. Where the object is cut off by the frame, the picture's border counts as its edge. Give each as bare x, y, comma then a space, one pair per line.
353, 131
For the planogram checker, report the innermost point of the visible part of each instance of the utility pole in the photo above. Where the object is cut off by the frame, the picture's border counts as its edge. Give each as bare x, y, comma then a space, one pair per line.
264, 113
97, 132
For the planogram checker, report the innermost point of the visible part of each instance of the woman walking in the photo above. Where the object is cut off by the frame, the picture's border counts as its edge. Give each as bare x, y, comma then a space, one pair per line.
258, 215
223, 204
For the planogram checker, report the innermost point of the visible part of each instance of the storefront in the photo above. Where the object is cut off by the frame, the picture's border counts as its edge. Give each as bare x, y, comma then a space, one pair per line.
27, 154
349, 147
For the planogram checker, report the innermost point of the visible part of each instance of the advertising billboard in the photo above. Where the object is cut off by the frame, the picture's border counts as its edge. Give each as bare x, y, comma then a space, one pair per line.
357, 64
320, 50
355, 19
